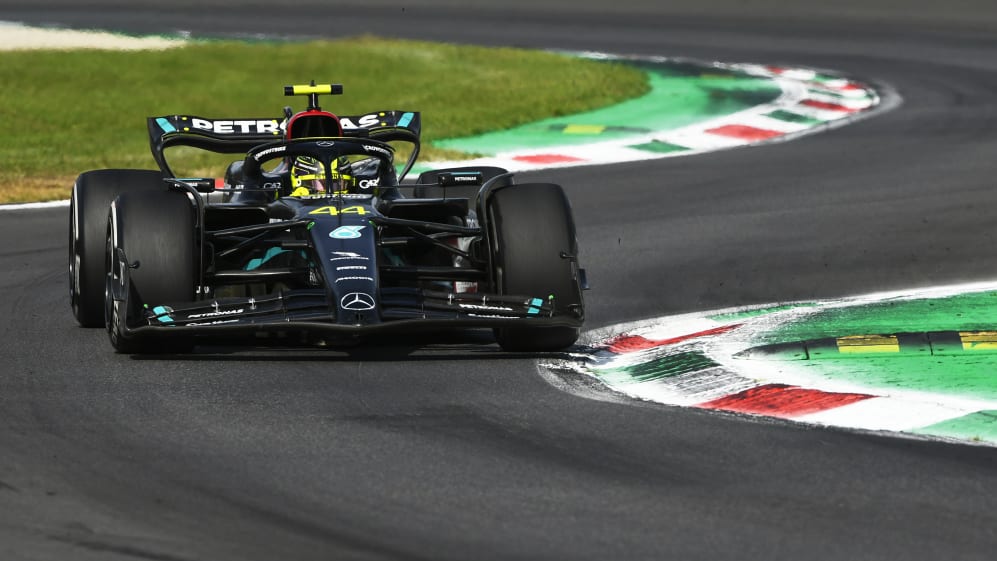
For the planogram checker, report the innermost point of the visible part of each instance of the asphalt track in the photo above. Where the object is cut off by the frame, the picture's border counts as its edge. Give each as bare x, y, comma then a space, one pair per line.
406, 452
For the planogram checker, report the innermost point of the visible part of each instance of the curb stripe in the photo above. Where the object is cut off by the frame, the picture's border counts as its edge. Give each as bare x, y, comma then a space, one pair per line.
546, 159
659, 146
884, 413
827, 105
853, 103
809, 101
802, 74
688, 390
694, 360
633, 343
934, 343
839, 87
701, 139
783, 401
744, 132
868, 344
583, 129
791, 117
981, 425
978, 340
764, 122
664, 367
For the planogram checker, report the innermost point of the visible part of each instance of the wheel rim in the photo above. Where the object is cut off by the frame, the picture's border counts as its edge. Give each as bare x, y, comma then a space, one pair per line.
74, 262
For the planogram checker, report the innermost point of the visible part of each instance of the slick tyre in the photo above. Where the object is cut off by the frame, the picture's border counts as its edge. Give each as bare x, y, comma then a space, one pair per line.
88, 206
535, 253
156, 232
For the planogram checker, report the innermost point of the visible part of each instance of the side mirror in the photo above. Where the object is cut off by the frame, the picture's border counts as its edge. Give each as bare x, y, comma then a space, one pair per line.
201, 185
454, 178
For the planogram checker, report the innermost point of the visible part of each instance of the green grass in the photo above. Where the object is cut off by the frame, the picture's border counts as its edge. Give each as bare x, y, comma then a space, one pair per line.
70, 111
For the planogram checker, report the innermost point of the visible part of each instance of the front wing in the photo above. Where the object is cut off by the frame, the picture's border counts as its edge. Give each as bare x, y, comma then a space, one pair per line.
308, 311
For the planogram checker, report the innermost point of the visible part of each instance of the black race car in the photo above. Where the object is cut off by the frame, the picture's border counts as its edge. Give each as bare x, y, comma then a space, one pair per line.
341, 252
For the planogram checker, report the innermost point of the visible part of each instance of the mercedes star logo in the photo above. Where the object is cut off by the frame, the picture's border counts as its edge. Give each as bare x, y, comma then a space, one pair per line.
357, 301
325, 143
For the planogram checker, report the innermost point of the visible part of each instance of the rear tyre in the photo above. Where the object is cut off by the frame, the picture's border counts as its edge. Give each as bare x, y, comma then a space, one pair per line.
156, 231
535, 254
92, 196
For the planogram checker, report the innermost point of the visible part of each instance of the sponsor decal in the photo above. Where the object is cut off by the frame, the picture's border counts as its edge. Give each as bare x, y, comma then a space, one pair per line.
463, 287
245, 126
352, 268
376, 150
163, 314
216, 314
348, 255
485, 308
368, 183
497, 316
346, 232
259, 157
535, 305
325, 143
335, 211
465, 178
357, 301
216, 322
342, 279
365, 122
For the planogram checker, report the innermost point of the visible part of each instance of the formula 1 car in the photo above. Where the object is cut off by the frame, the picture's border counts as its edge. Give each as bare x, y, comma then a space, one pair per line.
165, 262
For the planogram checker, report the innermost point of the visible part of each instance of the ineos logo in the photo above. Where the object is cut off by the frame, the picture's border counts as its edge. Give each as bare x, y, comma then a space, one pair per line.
357, 301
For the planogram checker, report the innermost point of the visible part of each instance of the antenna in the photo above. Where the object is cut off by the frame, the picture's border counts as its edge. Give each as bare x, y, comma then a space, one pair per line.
313, 91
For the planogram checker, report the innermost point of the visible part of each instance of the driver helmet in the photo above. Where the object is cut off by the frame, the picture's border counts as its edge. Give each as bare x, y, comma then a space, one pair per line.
308, 177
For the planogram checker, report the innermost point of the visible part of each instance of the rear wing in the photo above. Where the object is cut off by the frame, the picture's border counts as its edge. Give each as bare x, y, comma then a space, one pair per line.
238, 136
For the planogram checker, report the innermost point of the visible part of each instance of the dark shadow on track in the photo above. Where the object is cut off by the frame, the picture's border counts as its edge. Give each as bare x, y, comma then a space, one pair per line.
446, 346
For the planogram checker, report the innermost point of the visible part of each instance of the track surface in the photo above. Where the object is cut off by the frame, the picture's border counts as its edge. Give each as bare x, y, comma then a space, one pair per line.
463, 454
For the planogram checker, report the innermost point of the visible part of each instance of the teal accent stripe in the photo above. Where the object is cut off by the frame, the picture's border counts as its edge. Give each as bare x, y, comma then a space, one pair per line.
405, 120
165, 125
270, 254
162, 314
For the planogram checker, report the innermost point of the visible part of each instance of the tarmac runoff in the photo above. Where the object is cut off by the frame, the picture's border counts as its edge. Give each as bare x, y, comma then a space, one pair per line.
917, 364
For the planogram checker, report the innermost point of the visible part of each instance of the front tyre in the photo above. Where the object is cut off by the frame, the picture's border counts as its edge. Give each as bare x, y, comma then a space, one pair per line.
88, 205
535, 254
155, 230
